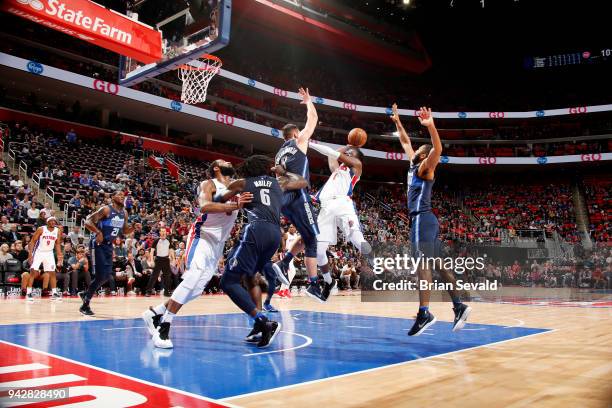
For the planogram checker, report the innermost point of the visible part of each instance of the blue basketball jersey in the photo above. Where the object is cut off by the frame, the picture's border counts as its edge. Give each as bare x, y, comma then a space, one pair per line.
293, 159
112, 226
267, 199
419, 191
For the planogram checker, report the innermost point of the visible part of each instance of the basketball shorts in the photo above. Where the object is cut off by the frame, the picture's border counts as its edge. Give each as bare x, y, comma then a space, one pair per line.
424, 235
337, 213
44, 258
297, 207
259, 242
102, 259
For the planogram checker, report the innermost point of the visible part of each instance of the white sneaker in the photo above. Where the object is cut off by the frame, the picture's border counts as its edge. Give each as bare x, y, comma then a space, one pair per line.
149, 318
113, 293
161, 337
56, 297
30, 297
131, 293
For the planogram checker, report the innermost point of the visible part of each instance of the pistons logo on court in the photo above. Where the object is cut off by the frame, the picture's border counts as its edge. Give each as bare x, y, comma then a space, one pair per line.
35, 67
106, 87
176, 106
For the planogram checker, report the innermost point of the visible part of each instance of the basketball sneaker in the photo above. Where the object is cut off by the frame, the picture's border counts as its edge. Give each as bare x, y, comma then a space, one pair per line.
314, 291
161, 337
287, 293
462, 312
254, 336
151, 320
327, 288
270, 330
422, 322
86, 310
269, 308
282, 273
30, 297
56, 296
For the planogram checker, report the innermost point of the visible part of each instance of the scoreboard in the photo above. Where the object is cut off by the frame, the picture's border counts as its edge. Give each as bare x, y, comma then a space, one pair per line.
574, 58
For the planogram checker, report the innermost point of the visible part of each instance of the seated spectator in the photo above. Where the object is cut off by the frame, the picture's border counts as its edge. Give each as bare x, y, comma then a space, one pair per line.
71, 137
16, 183
44, 176
27, 281
4, 253
136, 278
75, 202
79, 270
33, 214
75, 236
349, 273
11, 235
47, 211
19, 252
5, 226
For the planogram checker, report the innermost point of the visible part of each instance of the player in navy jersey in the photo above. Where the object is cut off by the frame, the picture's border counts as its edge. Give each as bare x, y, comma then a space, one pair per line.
106, 224
259, 241
297, 205
424, 224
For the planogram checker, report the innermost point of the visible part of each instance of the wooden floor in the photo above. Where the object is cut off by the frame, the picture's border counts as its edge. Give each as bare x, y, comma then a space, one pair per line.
568, 367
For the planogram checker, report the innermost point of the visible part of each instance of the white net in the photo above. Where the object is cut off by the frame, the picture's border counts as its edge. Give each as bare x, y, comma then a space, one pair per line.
196, 76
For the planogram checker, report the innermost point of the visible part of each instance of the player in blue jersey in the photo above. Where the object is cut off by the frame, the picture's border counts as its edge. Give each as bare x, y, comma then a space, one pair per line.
259, 241
297, 205
106, 224
424, 224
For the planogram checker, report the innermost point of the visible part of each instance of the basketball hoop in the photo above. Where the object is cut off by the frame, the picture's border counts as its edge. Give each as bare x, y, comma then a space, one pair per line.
196, 76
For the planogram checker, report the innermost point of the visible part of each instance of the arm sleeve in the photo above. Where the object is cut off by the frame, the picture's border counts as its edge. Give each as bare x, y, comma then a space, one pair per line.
324, 150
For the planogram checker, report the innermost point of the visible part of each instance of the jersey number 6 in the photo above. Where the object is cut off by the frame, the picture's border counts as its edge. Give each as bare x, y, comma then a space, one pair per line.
265, 196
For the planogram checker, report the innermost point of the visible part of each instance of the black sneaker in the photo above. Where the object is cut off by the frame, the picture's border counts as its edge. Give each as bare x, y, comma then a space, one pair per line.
151, 320
86, 310
148, 293
161, 339
462, 312
422, 322
282, 272
255, 335
269, 333
314, 291
327, 288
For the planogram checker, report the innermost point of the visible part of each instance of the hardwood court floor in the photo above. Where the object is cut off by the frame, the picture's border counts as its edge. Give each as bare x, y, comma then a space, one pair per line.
569, 366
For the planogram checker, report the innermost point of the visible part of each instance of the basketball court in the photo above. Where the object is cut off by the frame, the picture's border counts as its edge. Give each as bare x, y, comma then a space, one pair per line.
344, 353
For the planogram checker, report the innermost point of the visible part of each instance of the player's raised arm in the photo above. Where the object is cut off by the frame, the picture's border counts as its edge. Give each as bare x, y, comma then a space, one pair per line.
338, 155
433, 158
403, 135
311, 120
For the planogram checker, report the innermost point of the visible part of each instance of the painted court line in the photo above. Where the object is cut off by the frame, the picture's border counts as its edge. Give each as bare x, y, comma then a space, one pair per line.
119, 374
22, 367
306, 344
369, 370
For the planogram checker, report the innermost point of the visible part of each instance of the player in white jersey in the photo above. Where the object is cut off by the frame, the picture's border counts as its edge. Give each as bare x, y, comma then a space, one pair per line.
337, 207
289, 239
45, 240
205, 244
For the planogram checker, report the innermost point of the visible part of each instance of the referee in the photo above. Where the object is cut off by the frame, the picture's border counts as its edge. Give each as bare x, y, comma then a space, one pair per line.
163, 256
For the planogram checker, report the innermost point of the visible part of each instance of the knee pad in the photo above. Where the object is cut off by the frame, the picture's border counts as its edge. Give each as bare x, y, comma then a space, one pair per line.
322, 253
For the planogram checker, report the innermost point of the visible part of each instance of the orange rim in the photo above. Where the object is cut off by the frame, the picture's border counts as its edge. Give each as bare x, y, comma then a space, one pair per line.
207, 68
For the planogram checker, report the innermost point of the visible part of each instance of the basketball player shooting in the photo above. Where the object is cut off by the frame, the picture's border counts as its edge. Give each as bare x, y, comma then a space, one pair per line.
424, 233
297, 206
337, 207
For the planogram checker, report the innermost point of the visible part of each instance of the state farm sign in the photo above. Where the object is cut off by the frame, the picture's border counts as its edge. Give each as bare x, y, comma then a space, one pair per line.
91, 22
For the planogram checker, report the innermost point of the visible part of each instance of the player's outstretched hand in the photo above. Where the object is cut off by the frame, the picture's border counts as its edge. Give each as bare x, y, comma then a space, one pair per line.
305, 94
425, 116
394, 113
245, 198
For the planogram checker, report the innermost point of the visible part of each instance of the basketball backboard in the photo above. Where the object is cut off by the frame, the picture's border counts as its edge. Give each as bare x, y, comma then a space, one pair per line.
189, 29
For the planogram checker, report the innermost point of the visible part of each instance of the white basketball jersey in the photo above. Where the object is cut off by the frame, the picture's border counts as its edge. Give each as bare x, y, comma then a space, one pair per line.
217, 226
291, 239
46, 241
340, 183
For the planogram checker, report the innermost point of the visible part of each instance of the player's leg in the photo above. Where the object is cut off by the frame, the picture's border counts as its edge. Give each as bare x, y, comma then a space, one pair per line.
50, 269
243, 260
102, 262
34, 274
270, 276
328, 235
25, 279
422, 247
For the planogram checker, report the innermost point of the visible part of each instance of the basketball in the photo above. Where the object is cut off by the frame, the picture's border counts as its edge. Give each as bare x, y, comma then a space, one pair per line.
357, 137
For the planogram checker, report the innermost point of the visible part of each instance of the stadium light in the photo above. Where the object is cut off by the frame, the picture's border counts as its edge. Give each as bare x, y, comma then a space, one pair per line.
406, 2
